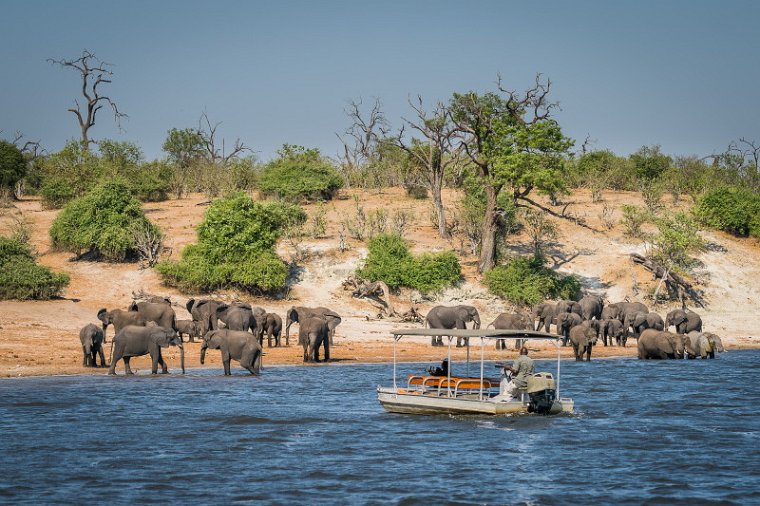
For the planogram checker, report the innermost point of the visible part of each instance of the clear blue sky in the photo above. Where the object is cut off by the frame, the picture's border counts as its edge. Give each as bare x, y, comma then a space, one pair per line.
682, 74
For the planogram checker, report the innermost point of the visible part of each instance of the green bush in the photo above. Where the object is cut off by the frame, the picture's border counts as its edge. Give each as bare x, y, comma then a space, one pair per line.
527, 280
12, 165
299, 174
733, 210
22, 278
235, 248
633, 219
390, 261
56, 192
104, 222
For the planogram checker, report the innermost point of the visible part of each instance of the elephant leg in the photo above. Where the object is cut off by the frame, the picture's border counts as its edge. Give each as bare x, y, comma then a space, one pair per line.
326, 345
588, 353
84, 357
226, 363
164, 368
127, 369
712, 354
114, 360
102, 357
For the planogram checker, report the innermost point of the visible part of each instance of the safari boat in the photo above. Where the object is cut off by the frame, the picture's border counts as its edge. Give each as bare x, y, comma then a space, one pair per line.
480, 395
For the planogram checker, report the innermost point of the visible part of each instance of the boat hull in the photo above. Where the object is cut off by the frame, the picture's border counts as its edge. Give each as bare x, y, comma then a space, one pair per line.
416, 403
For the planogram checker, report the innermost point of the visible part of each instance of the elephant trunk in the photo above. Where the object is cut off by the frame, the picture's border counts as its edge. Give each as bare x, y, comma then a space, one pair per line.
203, 353
287, 329
105, 326
182, 357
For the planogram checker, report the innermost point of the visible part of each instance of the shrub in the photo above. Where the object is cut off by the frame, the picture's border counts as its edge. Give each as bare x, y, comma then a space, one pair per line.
12, 166
527, 280
300, 174
103, 223
22, 278
676, 239
235, 248
733, 210
390, 261
56, 192
633, 219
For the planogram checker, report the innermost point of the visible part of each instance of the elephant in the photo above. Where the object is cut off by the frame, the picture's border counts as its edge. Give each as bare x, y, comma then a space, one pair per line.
92, 345
159, 312
628, 312
134, 341
273, 329
237, 345
189, 327
454, 317
612, 311
591, 307
583, 337
511, 321
660, 344
237, 317
566, 321
567, 306
644, 321
703, 344
612, 328
544, 313
684, 321
297, 313
205, 311
314, 332
120, 318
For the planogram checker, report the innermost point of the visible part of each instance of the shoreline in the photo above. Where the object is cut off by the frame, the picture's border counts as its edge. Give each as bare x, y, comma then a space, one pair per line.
143, 363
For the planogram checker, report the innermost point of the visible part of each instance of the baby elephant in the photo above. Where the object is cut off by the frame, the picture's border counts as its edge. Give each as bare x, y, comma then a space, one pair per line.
583, 338
235, 345
91, 337
313, 332
189, 327
273, 328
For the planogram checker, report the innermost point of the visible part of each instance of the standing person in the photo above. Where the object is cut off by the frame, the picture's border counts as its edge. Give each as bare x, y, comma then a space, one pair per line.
521, 369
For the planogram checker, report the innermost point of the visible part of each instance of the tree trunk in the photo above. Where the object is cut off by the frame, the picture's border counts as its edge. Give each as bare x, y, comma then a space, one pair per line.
435, 190
488, 242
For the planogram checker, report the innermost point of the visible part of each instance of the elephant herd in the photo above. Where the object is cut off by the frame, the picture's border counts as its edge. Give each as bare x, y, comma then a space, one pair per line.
583, 322
236, 329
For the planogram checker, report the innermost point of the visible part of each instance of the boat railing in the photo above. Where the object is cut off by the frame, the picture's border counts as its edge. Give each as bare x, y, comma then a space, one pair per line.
453, 386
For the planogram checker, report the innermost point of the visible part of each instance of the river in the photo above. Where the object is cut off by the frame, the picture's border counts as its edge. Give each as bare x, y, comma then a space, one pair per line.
655, 432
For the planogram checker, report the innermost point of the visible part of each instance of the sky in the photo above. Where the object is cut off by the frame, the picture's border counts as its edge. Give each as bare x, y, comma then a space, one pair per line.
681, 74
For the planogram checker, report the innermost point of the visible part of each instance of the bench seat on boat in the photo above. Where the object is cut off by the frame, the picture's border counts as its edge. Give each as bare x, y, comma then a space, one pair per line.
455, 383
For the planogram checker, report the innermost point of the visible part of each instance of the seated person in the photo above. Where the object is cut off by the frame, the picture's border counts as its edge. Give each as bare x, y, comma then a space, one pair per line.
520, 370
443, 370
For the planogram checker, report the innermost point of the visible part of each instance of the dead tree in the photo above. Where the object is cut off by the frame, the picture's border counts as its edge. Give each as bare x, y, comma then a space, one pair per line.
361, 138
675, 284
435, 153
94, 72
373, 290
215, 153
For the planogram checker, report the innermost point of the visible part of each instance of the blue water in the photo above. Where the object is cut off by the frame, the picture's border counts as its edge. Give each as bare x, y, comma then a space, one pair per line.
669, 432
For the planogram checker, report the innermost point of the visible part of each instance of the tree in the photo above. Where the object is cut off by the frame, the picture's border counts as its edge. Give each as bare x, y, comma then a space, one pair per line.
12, 168
513, 141
360, 144
434, 152
185, 149
94, 72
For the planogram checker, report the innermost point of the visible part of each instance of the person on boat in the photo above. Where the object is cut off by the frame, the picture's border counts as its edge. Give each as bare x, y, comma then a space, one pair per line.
520, 369
443, 370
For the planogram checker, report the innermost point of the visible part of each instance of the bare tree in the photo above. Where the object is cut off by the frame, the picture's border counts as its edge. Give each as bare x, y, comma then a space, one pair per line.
215, 153
749, 153
361, 138
94, 72
435, 153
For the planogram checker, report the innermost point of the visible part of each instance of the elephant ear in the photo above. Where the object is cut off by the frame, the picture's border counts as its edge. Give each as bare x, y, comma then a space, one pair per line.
133, 306
189, 305
162, 337
103, 316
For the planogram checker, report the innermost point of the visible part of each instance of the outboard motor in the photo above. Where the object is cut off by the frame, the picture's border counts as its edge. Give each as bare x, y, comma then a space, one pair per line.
542, 392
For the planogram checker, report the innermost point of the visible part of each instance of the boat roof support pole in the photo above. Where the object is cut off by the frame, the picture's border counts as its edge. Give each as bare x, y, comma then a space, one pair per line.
448, 372
482, 356
395, 340
559, 361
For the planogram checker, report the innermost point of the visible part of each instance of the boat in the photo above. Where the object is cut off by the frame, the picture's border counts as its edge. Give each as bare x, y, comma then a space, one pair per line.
472, 395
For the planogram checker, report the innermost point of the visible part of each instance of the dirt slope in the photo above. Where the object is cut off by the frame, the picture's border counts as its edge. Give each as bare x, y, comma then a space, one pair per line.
42, 337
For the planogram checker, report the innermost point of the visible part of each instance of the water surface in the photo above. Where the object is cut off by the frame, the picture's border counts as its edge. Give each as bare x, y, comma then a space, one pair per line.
671, 432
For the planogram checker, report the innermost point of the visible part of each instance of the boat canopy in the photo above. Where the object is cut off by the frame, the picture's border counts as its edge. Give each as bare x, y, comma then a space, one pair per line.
484, 333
